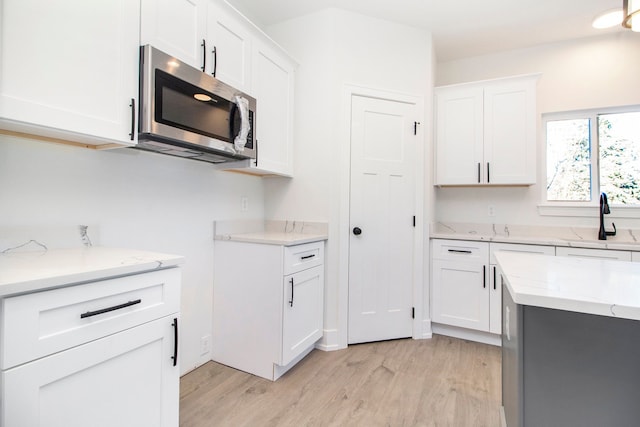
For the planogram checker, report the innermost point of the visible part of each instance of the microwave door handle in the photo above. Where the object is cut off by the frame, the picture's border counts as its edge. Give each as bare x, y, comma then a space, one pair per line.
233, 127
240, 139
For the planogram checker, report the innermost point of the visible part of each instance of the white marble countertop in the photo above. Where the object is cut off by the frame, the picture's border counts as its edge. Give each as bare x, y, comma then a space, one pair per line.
577, 237
285, 233
23, 272
592, 286
275, 238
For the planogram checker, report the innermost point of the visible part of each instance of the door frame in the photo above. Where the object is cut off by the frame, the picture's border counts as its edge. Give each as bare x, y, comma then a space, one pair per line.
420, 286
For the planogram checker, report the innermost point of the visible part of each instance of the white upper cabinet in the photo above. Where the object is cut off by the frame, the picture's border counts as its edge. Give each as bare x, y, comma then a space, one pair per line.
229, 45
273, 86
203, 33
69, 69
176, 27
459, 124
214, 37
485, 133
509, 131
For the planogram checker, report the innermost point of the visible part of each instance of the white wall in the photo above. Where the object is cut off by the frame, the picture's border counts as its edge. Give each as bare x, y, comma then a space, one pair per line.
335, 48
579, 74
136, 200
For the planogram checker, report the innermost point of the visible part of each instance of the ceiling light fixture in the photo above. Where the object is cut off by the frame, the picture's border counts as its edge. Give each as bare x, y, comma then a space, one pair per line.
631, 17
608, 19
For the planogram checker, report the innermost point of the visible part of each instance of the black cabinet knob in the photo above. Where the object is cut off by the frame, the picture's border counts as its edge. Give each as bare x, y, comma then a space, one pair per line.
357, 231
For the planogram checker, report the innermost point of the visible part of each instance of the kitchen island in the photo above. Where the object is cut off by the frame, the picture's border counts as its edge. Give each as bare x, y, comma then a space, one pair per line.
570, 347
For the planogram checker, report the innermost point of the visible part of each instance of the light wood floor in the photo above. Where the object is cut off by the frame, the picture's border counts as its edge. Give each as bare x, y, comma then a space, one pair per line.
439, 382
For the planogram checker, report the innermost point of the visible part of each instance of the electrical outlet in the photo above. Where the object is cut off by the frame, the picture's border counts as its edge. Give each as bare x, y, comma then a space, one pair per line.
205, 345
491, 210
244, 204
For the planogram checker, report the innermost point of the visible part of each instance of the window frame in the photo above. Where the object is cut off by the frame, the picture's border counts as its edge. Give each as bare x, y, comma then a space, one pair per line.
582, 208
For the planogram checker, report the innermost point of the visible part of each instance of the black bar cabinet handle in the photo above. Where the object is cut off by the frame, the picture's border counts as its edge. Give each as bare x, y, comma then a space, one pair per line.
133, 118
214, 52
291, 300
458, 251
478, 173
257, 145
484, 276
175, 341
204, 53
488, 173
108, 309
495, 278
307, 256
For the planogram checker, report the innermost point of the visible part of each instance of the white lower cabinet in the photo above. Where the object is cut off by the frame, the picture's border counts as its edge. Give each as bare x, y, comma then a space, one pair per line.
302, 313
593, 253
460, 296
460, 292
98, 354
125, 379
267, 315
465, 292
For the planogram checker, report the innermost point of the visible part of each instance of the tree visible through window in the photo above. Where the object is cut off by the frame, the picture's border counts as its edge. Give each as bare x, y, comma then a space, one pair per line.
568, 160
590, 153
619, 141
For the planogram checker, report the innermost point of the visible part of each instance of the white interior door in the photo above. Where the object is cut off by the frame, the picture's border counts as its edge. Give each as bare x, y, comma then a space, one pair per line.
382, 209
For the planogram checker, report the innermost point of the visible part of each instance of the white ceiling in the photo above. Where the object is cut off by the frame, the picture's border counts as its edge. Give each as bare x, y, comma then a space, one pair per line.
460, 28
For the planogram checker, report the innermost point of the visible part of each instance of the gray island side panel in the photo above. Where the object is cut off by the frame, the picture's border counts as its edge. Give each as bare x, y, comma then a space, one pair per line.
580, 369
512, 393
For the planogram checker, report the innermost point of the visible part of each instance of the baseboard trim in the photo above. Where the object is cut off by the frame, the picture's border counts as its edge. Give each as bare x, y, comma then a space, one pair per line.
329, 341
427, 332
467, 334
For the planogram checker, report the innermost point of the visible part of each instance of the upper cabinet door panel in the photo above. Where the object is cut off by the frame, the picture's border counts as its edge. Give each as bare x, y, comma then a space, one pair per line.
230, 48
459, 136
69, 66
176, 27
486, 132
509, 132
273, 87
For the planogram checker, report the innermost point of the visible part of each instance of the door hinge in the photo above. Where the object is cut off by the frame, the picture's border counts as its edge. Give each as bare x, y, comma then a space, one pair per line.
415, 127
414, 220
413, 312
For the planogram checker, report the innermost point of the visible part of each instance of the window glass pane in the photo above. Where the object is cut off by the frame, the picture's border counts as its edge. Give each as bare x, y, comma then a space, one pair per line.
568, 160
619, 139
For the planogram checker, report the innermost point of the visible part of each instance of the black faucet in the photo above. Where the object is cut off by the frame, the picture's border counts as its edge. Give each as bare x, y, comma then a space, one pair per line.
604, 209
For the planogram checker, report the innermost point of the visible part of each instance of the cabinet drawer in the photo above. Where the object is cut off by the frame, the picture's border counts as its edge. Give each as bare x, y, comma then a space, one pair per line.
43, 323
593, 253
301, 257
511, 247
460, 250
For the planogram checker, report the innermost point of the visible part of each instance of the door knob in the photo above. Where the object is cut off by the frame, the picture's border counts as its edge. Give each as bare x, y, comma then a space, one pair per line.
357, 231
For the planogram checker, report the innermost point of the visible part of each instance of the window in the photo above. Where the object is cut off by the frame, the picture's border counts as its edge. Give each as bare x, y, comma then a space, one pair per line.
589, 152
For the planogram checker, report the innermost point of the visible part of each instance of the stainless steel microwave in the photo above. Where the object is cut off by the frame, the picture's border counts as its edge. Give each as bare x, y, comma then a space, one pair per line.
187, 113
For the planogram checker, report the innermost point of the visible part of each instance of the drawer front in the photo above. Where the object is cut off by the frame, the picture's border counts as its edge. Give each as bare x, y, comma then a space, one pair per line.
36, 325
593, 253
301, 257
460, 250
511, 247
